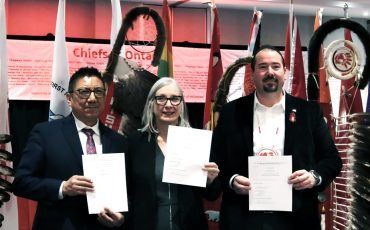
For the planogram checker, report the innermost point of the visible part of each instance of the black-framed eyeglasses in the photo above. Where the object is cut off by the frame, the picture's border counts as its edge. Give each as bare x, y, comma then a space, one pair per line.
162, 100
86, 92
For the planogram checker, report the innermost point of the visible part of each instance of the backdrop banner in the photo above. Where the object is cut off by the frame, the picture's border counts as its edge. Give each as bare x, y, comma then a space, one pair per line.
30, 66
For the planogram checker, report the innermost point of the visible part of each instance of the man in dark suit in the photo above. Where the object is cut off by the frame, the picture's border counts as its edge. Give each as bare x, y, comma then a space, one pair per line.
267, 123
50, 170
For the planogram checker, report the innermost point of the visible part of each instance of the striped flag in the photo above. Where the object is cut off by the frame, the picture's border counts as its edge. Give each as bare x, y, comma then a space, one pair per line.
8, 209
296, 83
116, 22
60, 76
215, 71
165, 68
254, 33
253, 45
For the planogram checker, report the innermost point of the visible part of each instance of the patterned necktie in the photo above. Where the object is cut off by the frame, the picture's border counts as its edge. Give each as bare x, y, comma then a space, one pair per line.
90, 145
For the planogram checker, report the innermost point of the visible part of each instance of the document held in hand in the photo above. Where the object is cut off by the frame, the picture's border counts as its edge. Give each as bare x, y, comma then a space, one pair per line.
108, 173
270, 190
187, 151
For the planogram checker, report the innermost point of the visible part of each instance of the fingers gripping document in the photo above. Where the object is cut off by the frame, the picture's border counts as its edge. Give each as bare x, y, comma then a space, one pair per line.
269, 181
108, 173
187, 150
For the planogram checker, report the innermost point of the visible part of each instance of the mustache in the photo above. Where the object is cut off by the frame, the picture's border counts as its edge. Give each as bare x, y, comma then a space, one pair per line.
270, 78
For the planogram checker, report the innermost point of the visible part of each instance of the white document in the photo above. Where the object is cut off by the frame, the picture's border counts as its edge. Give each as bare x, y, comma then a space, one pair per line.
269, 181
187, 151
108, 173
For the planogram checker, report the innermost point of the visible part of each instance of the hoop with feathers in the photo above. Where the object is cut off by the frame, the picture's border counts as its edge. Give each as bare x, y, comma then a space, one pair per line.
132, 83
314, 49
224, 85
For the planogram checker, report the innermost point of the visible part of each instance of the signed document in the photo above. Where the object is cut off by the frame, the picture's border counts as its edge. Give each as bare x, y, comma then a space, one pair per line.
187, 151
269, 181
108, 173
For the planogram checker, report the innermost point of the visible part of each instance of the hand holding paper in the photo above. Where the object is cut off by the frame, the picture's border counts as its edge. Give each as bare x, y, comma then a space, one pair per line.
107, 171
187, 151
269, 181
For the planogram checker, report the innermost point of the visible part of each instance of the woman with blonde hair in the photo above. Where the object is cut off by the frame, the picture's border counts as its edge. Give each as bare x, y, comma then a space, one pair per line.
153, 203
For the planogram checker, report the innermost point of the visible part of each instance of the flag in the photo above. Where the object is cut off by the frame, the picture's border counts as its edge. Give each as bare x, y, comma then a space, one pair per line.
215, 71
60, 77
109, 117
254, 33
253, 45
324, 90
296, 84
116, 22
8, 209
324, 94
326, 105
165, 68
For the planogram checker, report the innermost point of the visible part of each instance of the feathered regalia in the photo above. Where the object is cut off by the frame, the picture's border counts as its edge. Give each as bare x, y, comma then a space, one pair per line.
5, 185
129, 84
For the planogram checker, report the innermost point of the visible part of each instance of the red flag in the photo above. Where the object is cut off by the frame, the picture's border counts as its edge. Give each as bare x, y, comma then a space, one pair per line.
296, 84
326, 105
215, 71
324, 94
109, 117
253, 45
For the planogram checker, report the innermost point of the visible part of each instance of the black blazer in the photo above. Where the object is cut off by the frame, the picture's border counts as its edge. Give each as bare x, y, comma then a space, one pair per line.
52, 154
308, 141
142, 189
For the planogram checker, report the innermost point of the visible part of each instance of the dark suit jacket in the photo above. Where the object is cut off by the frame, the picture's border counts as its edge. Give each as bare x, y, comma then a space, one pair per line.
142, 189
53, 153
307, 140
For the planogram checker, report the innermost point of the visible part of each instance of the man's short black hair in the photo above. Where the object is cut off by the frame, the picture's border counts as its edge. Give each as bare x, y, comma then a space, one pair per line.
81, 73
266, 47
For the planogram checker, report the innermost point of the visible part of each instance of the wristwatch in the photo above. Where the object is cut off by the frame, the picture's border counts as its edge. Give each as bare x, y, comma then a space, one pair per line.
317, 177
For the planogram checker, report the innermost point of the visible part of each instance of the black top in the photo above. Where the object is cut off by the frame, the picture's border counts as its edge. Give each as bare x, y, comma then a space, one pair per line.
167, 202
145, 196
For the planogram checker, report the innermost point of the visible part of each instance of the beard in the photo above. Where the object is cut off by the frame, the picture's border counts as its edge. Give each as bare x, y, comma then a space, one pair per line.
271, 84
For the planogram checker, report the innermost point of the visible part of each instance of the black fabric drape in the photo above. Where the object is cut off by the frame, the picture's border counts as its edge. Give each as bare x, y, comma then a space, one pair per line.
23, 115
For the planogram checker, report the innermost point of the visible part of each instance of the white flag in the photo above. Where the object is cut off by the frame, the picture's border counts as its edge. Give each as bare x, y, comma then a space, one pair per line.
9, 209
116, 22
60, 77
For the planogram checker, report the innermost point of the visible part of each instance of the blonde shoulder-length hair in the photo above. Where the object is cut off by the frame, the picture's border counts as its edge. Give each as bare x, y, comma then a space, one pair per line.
148, 118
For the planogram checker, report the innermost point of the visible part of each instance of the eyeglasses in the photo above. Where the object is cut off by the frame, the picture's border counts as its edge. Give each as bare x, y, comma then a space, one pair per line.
86, 92
174, 100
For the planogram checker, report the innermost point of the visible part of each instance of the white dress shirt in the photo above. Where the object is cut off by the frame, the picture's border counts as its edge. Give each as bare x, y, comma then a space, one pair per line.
268, 130
83, 138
